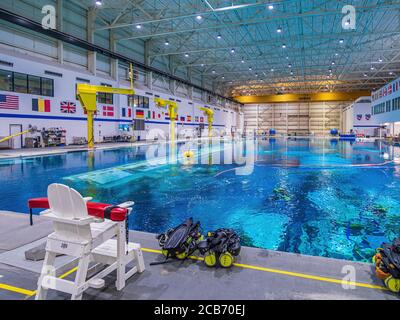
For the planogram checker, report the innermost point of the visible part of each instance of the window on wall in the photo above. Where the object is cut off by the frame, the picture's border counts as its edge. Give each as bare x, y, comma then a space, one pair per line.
20, 82
139, 102
34, 86
146, 102
6, 83
23, 83
138, 125
105, 98
47, 87
388, 105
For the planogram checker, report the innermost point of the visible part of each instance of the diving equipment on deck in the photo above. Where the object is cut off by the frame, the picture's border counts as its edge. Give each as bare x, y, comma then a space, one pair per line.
89, 239
221, 246
387, 265
179, 242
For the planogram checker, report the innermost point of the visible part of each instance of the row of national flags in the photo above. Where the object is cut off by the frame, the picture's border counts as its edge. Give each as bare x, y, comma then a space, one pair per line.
11, 102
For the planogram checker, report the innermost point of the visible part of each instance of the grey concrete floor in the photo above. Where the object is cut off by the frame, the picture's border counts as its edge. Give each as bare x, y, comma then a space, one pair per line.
191, 279
32, 152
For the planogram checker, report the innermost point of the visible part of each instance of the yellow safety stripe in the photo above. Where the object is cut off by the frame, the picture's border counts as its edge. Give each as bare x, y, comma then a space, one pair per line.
289, 273
30, 293
17, 290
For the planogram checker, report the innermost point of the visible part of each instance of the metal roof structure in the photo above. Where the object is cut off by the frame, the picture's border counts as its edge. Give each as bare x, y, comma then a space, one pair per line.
247, 47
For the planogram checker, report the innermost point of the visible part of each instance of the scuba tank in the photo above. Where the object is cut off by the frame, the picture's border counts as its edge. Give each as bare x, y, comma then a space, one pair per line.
387, 265
179, 242
221, 245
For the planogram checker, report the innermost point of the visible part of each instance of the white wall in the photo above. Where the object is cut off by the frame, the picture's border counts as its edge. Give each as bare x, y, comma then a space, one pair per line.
358, 117
75, 124
389, 92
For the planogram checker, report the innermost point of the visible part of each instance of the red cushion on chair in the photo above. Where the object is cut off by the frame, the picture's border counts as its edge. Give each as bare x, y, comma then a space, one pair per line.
97, 210
94, 209
41, 203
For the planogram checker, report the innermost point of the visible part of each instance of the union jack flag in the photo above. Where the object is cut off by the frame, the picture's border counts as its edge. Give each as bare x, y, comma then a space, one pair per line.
68, 107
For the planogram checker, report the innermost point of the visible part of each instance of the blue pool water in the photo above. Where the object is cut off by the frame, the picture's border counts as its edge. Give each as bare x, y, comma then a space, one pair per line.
310, 196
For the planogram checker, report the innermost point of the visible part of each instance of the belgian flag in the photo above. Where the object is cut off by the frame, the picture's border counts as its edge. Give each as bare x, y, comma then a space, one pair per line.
40, 105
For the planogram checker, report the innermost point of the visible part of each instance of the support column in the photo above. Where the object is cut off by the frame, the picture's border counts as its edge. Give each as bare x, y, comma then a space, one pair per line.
60, 27
114, 62
91, 16
172, 84
190, 88
147, 61
203, 94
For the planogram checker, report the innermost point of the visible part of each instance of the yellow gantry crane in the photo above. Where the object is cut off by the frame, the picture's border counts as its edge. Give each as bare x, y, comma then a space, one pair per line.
172, 108
210, 118
87, 95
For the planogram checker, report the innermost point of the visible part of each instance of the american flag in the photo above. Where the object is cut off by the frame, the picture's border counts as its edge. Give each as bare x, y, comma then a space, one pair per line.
68, 107
9, 102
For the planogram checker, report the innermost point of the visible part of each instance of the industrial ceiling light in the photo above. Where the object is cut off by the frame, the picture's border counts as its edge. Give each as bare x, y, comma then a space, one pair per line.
341, 41
380, 59
242, 61
199, 17
223, 77
272, 70
166, 42
279, 30
138, 26
186, 55
213, 71
391, 73
284, 46
202, 64
250, 68
372, 68
333, 63
271, 7
290, 65
99, 3
336, 54
219, 37
232, 50
365, 74
256, 74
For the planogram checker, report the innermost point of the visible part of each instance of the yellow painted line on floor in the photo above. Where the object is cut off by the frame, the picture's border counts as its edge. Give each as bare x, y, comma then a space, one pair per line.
30, 293
289, 273
17, 290
68, 273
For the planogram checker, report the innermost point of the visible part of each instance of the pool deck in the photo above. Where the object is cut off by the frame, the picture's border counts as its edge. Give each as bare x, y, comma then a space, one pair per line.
33, 152
258, 274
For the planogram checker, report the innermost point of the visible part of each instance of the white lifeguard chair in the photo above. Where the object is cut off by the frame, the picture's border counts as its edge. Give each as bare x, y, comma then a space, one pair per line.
87, 238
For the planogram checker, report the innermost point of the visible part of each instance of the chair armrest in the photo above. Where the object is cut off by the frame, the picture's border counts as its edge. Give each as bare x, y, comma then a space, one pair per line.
126, 204
47, 214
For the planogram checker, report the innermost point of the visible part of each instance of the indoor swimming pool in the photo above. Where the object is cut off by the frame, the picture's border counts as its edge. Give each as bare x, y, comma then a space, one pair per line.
319, 197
